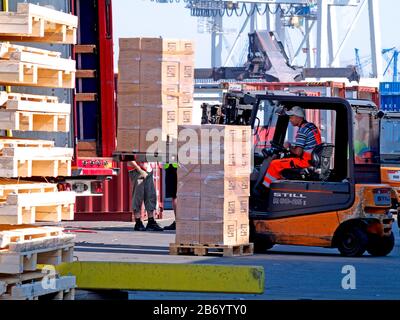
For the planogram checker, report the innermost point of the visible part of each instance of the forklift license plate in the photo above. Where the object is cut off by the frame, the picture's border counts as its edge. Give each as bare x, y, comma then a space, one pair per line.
395, 176
382, 199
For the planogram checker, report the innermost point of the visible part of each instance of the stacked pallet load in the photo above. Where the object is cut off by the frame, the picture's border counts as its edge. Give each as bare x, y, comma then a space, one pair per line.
24, 202
26, 254
213, 191
155, 92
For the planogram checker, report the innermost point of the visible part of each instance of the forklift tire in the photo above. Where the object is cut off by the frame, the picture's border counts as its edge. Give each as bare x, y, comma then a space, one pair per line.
380, 246
352, 242
261, 246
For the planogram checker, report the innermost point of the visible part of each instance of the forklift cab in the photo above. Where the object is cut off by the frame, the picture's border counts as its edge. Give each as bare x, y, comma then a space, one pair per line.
339, 200
390, 156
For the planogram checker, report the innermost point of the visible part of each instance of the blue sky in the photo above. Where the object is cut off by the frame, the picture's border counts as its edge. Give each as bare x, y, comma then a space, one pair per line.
147, 18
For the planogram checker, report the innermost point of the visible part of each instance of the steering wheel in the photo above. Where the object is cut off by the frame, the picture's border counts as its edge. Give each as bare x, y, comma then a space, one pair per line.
275, 149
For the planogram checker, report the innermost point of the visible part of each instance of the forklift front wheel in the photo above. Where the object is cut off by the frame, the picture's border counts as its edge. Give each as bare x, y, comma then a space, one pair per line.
261, 246
380, 246
353, 242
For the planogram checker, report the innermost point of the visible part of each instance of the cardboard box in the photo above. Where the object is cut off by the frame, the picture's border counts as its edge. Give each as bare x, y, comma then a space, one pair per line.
228, 208
160, 45
164, 118
187, 232
186, 47
128, 88
166, 95
220, 186
189, 180
128, 140
129, 118
130, 44
185, 116
129, 71
188, 207
129, 54
186, 71
218, 232
186, 94
164, 72
128, 100
243, 232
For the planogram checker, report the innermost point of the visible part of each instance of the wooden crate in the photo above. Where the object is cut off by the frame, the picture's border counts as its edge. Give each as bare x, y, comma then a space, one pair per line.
33, 23
30, 287
38, 207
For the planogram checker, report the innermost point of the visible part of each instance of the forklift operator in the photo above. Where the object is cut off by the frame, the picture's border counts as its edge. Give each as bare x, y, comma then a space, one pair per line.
308, 137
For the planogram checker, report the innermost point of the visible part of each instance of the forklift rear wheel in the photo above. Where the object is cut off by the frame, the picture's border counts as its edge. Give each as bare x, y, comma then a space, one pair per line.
380, 246
353, 242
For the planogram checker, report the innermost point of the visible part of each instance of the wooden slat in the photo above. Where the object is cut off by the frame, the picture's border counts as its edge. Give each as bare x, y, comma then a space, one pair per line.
85, 74
85, 97
82, 48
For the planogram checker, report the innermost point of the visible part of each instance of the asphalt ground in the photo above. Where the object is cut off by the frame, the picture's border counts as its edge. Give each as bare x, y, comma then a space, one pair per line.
291, 272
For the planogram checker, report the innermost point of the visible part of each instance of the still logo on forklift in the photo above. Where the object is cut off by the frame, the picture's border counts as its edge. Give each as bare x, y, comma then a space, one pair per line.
289, 195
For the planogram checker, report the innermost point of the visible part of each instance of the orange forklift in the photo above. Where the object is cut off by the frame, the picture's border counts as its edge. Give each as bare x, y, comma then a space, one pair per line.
339, 201
390, 156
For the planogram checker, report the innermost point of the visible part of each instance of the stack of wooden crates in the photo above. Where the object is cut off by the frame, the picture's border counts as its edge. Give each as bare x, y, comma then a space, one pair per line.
23, 202
213, 190
155, 91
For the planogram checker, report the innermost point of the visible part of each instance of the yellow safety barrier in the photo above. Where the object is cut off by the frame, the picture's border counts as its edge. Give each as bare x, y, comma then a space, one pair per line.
166, 277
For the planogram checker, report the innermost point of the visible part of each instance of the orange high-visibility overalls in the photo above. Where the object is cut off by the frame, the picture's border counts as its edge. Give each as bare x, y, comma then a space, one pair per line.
277, 166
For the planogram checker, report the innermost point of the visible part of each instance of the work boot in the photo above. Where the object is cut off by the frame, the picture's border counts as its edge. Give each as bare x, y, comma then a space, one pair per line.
139, 226
172, 227
152, 225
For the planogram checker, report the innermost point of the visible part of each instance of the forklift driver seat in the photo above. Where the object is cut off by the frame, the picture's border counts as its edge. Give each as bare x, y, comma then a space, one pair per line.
320, 165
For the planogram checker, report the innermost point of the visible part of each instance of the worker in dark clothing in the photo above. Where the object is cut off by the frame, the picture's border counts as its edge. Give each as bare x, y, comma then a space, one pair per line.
141, 175
171, 183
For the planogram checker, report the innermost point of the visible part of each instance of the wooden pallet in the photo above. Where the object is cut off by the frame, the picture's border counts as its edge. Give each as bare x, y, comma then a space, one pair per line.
17, 235
31, 98
8, 142
33, 75
38, 289
7, 282
16, 186
38, 207
33, 23
20, 262
210, 249
34, 121
33, 103
36, 160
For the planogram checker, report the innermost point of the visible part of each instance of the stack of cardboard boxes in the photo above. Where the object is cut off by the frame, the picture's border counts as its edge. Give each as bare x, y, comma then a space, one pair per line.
155, 91
214, 185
